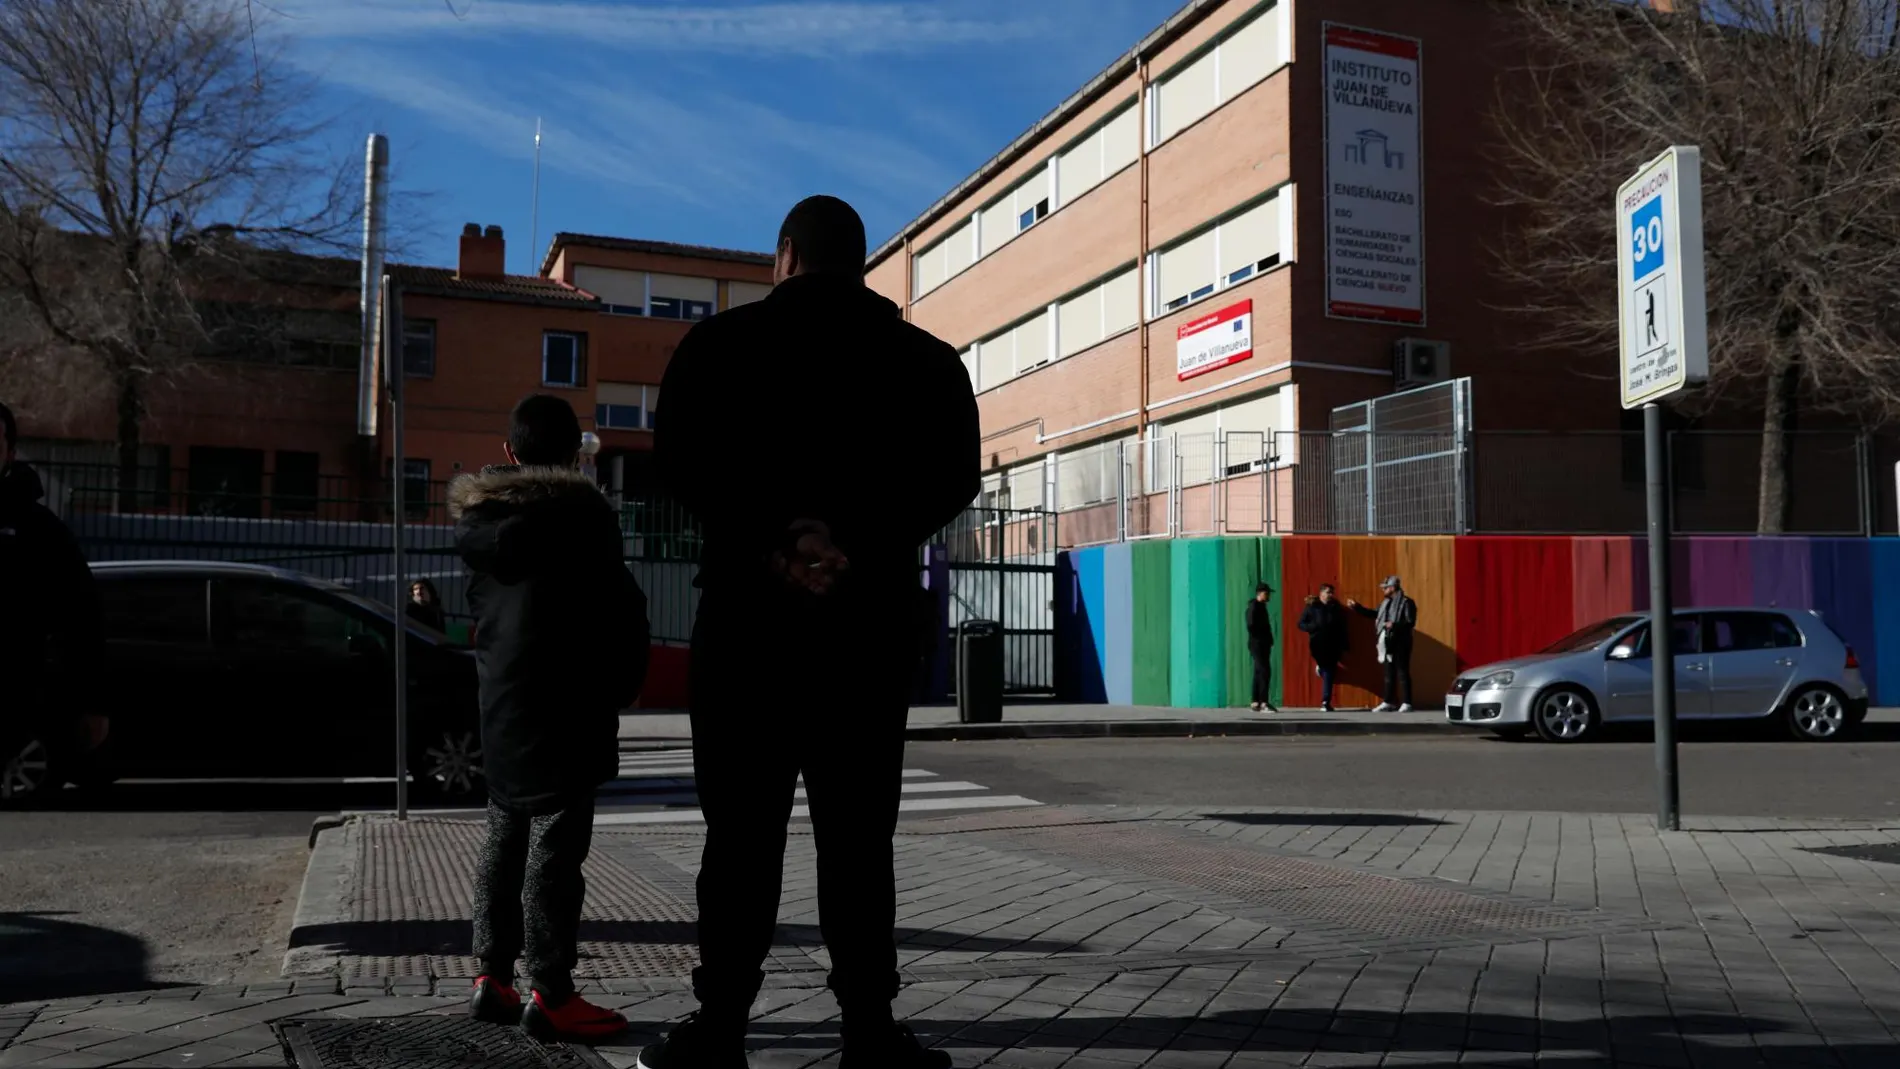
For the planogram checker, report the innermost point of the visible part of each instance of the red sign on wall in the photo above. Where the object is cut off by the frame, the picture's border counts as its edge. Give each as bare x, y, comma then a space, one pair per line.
1214, 341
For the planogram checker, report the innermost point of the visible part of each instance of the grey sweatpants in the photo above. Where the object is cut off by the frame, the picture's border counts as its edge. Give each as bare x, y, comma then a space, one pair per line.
528, 894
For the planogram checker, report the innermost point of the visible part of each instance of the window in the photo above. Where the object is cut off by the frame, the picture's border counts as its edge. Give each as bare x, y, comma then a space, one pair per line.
293, 482
625, 406
563, 357
1245, 55
1685, 637
620, 292
1015, 211
970, 366
282, 620
681, 297
415, 485
738, 293
1079, 322
1121, 302
944, 260
1231, 252
153, 610
418, 348
1088, 476
1736, 632
226, 482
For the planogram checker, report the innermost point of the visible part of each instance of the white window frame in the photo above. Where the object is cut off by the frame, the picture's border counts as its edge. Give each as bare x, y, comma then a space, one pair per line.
1281, 11
1151, 295
580, 371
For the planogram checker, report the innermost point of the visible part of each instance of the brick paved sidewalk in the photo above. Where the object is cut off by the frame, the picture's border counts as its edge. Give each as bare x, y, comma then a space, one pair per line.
1103, 937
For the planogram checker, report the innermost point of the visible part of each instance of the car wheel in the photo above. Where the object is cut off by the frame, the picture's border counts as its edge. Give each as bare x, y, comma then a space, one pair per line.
26, 771
448, 763
1564, 714
1817, 713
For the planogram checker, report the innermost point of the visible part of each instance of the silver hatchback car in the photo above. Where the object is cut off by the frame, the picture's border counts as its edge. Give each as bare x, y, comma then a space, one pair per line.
1731, 664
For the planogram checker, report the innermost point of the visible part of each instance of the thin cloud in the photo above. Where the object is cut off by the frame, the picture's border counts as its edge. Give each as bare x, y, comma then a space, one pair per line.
827, 29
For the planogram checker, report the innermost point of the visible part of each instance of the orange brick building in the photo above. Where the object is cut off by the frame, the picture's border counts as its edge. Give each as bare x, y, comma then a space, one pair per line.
1310, 174
274, 426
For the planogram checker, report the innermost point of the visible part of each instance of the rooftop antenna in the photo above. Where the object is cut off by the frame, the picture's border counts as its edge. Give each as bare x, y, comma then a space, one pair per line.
534, 212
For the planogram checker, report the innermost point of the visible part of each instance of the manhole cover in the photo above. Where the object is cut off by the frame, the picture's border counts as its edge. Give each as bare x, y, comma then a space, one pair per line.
1886, 853
424, 1043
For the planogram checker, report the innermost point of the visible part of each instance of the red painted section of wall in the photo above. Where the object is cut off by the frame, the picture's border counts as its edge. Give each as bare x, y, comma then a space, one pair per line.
1600, 579
1305, 563
1514, 596
666, 679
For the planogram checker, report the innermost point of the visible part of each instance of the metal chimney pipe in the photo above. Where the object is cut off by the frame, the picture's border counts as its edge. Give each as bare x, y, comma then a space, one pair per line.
375, 245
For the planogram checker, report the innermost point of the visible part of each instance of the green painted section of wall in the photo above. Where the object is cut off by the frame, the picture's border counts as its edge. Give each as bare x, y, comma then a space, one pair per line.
1151, 568
1241, 559
1196, 658
1270, 571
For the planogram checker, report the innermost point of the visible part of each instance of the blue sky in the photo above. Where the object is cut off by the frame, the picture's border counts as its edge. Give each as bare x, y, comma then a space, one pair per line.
688, 120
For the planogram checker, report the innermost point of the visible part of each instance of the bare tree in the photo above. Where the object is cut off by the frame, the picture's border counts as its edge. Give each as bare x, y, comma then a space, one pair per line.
147, 149
1796, 107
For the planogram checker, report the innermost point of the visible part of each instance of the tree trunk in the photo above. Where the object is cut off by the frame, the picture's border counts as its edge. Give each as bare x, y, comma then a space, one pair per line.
1775, 504
131, 414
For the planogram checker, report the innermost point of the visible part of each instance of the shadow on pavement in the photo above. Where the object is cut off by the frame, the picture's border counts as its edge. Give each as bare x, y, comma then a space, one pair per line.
455, 937
1345, 1036
43, 957
1341, 820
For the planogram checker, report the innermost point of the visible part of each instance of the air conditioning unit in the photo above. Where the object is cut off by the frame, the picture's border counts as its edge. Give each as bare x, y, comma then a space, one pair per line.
1417, 362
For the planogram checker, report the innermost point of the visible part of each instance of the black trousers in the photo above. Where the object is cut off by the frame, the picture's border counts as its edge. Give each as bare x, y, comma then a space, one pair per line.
782, 687
528, 894
1398, 671
1262, 675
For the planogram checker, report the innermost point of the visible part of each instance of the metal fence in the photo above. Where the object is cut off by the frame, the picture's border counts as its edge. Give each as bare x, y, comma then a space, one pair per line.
1001, 566
1001, 562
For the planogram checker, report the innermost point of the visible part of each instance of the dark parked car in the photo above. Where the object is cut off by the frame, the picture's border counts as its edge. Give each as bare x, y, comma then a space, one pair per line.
242, 671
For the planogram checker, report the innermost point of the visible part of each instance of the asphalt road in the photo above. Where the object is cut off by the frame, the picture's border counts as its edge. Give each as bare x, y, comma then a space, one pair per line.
1720, 777
146, 886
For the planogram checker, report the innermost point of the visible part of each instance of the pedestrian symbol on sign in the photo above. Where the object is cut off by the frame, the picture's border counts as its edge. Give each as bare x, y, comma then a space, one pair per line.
1649, 315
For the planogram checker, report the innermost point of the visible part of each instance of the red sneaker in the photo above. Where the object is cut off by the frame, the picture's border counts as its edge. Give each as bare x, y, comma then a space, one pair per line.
495, 1002
573, 1019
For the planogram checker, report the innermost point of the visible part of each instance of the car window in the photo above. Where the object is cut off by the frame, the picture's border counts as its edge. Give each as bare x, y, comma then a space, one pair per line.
1589, 638
280, 618
1739, 632
152, 609
1685, 637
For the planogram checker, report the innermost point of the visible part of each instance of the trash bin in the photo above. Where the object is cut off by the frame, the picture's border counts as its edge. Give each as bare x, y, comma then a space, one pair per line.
980, 672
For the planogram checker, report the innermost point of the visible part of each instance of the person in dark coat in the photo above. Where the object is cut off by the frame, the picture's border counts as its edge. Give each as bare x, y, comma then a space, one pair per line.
809, 596
1396, 619
425, 605
561, 647
51, 630
1324, 621
1260, 648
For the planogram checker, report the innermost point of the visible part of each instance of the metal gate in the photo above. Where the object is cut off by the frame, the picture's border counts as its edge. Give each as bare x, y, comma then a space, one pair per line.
1002, 567
1398, 463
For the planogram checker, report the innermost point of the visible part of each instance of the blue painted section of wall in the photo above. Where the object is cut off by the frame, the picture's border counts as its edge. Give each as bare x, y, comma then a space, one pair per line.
1884, 554
1090, 619
1843, 593
1118, 618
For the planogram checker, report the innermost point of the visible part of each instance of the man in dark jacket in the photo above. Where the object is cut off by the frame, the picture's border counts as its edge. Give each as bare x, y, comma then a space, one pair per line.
1260, 648
50, 630
560, 648
819, 439
1395, 618
1324, 622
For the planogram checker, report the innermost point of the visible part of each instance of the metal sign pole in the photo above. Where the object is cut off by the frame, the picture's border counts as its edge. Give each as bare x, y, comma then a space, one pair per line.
1661, 617
1662, 302
393, 370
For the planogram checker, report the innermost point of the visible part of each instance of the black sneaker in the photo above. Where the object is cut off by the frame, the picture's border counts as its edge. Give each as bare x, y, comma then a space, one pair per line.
893, 1046
495, 1002
697, 1043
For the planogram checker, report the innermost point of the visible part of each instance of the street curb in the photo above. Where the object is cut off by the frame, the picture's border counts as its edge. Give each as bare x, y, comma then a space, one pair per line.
324, 904
1427, 724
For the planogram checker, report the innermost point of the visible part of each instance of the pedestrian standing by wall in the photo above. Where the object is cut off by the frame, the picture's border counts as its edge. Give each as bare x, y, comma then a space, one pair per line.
561, 646
1396, 618
1324, 622
809, 594
1260, 648
52, 636
425, 605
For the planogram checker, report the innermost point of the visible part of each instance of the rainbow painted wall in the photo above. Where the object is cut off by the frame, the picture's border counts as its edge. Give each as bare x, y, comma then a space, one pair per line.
1162, 622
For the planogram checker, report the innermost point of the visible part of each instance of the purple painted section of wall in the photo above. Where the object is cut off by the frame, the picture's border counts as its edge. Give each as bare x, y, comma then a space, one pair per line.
1721, 572
1680, 573
1783, 573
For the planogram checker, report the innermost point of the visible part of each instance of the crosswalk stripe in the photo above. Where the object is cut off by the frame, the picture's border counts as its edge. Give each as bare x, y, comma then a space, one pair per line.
909, 805
627, 770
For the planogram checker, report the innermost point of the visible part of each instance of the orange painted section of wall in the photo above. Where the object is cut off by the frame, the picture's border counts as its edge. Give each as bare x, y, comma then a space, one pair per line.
1363, 565
1429, 569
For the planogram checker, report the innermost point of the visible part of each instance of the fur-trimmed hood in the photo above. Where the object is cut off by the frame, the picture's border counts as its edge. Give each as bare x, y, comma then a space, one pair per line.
519, 487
